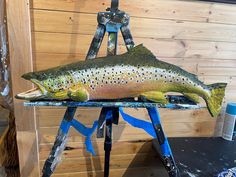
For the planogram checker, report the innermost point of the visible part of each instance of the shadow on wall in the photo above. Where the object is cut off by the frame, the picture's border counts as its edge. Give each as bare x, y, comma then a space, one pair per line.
146, 164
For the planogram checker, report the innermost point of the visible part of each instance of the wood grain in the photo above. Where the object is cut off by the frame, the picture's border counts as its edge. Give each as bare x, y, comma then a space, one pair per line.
137, 172
96, 163
128, 133
19, 30
78, 44
77, 149
83, 23
51, 117
168, 9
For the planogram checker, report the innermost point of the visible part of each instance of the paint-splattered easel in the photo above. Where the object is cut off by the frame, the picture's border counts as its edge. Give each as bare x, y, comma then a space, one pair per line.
111, 21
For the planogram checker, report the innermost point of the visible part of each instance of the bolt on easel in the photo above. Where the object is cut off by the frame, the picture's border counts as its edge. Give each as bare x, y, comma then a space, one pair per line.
111, 22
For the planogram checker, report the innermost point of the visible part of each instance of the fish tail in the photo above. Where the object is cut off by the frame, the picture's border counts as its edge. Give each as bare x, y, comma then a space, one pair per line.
215, 100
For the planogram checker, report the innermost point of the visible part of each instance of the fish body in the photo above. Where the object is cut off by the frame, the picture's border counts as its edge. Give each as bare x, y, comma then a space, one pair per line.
133, 74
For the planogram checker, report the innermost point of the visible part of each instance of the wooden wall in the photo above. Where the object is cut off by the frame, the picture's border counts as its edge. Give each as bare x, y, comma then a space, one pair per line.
198, 36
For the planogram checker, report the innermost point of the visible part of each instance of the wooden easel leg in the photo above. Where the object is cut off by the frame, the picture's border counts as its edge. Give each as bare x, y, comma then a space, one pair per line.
59, 144
166, 153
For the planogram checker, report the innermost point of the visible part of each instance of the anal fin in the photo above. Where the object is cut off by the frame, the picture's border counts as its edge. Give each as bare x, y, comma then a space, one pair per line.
155, 96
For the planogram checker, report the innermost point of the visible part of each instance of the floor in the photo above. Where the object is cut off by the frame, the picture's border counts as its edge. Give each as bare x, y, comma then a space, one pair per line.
195, 157
203, 157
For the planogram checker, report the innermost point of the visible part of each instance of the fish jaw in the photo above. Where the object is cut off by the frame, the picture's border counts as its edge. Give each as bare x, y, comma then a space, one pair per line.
33, 94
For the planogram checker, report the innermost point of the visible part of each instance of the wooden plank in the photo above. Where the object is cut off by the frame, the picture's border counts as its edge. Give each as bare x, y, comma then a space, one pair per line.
222, 13
76, 149
51, 117
168, 9
19, 31
217, 71
80, 23
97, 163
128, 133
137, 172
78, 44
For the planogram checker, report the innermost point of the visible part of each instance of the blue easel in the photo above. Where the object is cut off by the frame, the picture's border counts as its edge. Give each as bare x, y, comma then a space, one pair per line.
110, 116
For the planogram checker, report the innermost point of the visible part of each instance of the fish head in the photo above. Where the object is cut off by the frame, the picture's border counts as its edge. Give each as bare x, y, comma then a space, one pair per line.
39, 92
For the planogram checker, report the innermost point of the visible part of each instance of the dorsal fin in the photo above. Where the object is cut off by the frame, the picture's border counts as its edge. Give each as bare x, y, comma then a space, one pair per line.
140, 50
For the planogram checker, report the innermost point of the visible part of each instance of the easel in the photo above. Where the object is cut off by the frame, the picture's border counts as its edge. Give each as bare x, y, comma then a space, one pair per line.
111, 21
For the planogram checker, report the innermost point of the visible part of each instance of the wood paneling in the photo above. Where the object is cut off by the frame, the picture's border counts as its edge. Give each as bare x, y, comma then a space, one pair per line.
71, 44
197, 36
169, 9
21, 61
70, 22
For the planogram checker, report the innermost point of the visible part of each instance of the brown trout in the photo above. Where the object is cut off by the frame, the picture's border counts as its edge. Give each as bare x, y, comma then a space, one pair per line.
137, 73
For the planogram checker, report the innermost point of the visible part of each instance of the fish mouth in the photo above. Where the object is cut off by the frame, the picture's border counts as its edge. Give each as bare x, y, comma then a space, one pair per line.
32, 94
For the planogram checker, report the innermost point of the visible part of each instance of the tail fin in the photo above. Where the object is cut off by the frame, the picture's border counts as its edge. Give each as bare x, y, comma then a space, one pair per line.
215, 100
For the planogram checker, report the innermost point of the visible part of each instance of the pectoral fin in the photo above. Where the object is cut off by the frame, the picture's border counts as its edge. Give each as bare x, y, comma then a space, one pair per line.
155, 96
60, 95
78, 94
192, 96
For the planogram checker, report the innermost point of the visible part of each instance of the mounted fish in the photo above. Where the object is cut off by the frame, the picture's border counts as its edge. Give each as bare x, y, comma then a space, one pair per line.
137, 73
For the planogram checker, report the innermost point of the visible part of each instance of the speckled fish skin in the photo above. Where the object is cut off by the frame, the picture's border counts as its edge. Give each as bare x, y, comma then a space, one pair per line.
132, 74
